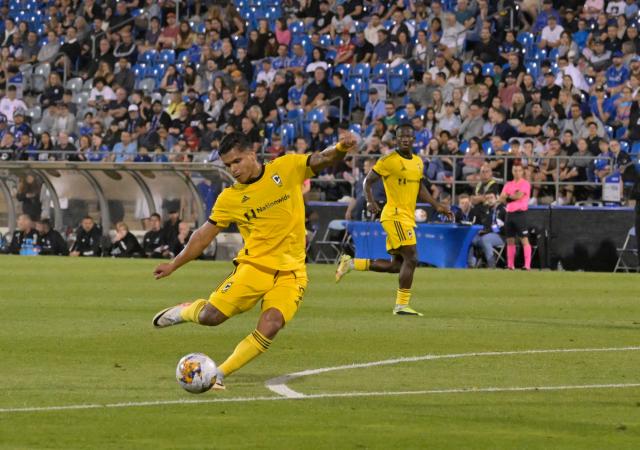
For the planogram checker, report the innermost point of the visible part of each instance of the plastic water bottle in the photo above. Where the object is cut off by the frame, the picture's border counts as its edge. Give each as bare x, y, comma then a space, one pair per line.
27, 248
559, 267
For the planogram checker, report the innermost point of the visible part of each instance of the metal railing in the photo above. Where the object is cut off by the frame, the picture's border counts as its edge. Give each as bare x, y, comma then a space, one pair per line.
455, 183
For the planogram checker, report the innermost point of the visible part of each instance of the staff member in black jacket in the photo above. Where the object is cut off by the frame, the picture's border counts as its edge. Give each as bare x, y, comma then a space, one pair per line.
492, 216
24, 232
154, 243
49, 240
126, 245
88, 239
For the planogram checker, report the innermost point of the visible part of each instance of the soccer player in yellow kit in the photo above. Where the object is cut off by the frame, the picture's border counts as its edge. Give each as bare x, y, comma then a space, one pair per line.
402, 175
266, 203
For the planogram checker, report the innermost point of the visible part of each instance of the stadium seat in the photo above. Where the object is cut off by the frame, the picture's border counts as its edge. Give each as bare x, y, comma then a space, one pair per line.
379, 73
148, 85
166, 57
361, 70
356, 128
35, 113
344, 70
297, 27
39, 128
74, 84
488, 70
398, 78
464, 146
316, 115
288, 134
325, 40
635, 148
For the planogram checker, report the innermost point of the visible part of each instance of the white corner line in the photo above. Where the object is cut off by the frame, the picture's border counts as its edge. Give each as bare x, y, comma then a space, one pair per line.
279, 386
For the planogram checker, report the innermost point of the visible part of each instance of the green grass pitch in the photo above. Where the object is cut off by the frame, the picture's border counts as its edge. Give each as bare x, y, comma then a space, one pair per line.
78, 332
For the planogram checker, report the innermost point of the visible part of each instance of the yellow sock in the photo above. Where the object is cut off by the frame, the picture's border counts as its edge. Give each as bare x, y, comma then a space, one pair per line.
403, 296
247, 349
361, 264
191, 312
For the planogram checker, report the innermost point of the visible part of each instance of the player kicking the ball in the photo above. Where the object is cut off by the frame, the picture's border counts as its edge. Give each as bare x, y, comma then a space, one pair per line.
266, 203
402, 175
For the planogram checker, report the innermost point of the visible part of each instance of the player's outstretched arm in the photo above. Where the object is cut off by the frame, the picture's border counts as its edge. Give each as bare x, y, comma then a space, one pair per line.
198, 242
331, 155
425, 196
371, 179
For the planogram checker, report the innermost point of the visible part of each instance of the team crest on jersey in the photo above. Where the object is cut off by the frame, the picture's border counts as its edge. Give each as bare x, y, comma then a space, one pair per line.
226, 287
244, 198
276, 179
410, 234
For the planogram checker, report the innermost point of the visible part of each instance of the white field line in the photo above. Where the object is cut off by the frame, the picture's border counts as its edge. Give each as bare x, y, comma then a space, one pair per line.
319, 396
279, 384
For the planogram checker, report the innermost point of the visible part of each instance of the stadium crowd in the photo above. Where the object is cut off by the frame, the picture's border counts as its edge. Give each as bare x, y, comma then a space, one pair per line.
485, 84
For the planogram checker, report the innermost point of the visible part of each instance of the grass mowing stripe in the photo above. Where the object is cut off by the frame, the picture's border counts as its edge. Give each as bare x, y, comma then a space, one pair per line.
322, 396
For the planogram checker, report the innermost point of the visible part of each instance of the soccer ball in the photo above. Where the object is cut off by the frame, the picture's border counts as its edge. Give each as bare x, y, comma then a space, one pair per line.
196, 373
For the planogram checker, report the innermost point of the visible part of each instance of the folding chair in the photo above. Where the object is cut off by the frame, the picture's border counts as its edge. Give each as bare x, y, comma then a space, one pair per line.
628, 250
331, 246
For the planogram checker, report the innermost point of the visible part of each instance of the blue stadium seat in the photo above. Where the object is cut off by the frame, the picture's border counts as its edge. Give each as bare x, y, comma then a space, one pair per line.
356, 128
166, 56
635, 148
464, 146
533, 68
624, 146
401, 115
487, 69
620, 132
361, 70
486, 148
316, 115
325, 40
288, 134
297, 27
344, 70
398, 78
379, 73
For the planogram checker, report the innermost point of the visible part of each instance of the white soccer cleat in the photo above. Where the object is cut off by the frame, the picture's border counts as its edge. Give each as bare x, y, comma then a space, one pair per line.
170, 316
219, 384
344, 267
405, 310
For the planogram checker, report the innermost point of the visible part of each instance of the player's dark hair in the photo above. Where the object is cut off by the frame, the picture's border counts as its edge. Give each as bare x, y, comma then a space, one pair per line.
232, 141
404, 125
156, 215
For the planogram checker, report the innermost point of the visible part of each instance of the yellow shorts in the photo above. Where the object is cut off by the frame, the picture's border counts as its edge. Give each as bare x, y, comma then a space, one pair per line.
399, 234
248, 284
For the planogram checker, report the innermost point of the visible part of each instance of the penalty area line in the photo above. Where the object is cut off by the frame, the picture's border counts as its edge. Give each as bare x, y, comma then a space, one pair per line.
320, 396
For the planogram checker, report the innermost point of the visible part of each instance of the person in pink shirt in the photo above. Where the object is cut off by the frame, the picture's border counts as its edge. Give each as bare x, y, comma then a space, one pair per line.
515, 195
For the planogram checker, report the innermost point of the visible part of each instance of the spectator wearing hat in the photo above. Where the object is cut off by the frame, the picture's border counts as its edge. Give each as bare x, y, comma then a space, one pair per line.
9, 104
133, 121
617, 74
598, 56
19, 126
374, 109
550, 91
169, 33
346, 49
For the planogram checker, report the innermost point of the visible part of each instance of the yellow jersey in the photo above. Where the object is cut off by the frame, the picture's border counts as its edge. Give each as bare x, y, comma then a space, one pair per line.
269, 213
401, 177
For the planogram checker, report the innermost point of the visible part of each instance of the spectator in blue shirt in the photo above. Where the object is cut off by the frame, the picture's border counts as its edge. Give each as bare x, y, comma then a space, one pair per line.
601, 106
631, 10
282, 61
617, 74
296, 91
126, 149
543, 17
298, 62
422, 135
374, 108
